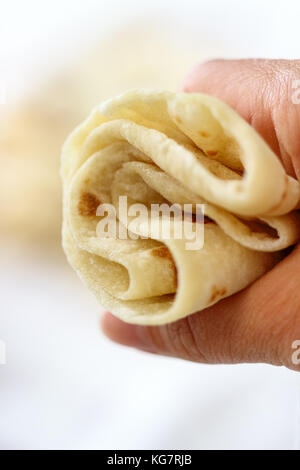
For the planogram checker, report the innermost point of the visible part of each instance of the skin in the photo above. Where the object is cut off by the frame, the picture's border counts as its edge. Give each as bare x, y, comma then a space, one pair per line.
260, 323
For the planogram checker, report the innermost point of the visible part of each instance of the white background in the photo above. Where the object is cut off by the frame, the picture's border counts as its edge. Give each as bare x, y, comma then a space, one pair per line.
64, 384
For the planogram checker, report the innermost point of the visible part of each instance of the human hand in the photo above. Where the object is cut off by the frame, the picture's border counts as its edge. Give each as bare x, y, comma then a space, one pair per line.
262, 322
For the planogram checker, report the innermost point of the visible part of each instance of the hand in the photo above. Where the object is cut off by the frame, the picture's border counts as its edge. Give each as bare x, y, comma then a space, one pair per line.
260, 323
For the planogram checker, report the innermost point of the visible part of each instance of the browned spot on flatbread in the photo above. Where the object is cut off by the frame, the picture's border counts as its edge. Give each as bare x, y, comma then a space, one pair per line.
203, 134
178, 119
88, 204
211, 153
164, 252
217, 292
283, 196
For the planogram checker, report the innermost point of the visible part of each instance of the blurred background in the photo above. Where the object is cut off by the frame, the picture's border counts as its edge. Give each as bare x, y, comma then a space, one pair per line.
65, 386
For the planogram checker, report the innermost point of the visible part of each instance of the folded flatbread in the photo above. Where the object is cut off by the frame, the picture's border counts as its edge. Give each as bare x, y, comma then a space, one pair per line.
158, 147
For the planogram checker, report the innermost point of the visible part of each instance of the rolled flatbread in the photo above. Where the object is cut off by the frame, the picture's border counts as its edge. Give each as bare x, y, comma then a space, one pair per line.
172, 150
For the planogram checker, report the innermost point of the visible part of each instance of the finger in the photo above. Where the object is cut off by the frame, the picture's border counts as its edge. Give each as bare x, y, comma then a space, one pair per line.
262, 92
258, 324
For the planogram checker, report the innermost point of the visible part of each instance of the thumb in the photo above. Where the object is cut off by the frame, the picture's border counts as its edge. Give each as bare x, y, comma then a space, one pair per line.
261, 91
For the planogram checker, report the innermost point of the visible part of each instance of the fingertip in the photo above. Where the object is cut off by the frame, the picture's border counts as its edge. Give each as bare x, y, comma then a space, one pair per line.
191, 80
187, 84
116, 329
127, 334
196, 80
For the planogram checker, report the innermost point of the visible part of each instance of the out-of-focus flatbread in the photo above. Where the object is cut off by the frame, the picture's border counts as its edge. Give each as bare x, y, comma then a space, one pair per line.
31, 135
